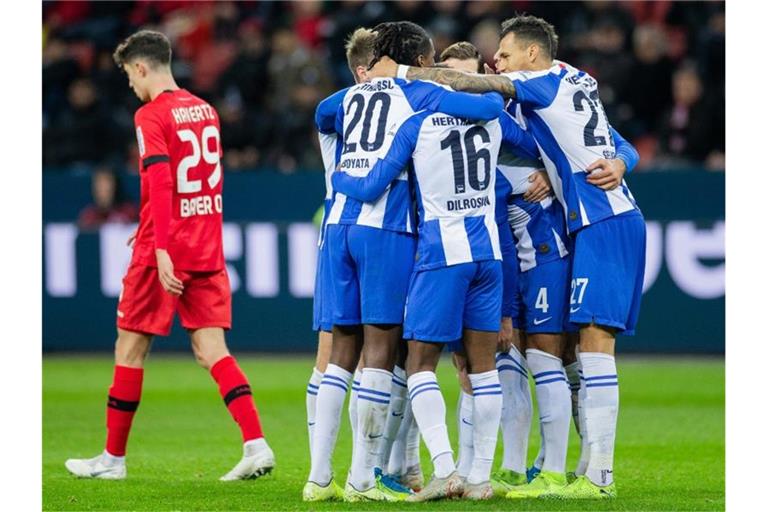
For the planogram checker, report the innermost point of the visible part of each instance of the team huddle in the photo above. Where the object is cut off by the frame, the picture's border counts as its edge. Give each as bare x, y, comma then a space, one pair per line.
479, 210
440, 230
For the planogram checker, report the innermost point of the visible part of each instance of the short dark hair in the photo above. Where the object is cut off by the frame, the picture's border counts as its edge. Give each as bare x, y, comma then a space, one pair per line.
359, 48
402, 41
531, 29
463, 50
147, 44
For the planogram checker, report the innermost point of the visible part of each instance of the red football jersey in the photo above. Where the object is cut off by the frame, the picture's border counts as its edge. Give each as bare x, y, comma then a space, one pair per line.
183, 130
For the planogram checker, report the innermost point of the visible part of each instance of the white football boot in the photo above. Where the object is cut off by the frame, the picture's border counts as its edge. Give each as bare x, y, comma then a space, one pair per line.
258, 460
103, 466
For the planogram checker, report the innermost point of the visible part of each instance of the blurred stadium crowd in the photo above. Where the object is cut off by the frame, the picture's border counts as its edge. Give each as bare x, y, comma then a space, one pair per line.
266, 65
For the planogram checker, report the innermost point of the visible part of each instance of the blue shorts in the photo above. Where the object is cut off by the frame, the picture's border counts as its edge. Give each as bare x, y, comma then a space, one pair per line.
369, 271
607, 274
321, 305
544, 295
442, 302
510, 304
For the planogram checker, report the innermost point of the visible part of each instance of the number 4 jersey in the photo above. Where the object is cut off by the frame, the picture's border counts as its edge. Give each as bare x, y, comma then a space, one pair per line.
182, 131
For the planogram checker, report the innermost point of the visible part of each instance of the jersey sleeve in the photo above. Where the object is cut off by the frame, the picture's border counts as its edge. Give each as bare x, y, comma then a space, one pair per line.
325, 114
150, 135
535, 90
386, 169
431, 96
625, 151
515, 139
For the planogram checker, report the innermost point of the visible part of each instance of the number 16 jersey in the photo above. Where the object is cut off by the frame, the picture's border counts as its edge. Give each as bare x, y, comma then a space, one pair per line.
182, 130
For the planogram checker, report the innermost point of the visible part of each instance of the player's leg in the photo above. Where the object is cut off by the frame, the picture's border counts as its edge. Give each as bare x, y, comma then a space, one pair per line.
322, 322
397, 405
373, 400
429, 412
516, 411
482, 321
345, 353
546, 296
607, 277
553, 399
464, 412
574, 375
144, 309
324, 339
384, 261
352, 406
435, 305
131, 350
210, 349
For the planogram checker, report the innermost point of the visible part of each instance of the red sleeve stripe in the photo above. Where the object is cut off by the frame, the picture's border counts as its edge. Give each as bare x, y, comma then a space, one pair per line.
154, 159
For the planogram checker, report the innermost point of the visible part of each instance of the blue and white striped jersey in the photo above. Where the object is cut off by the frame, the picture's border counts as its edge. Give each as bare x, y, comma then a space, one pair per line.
562, 109
330, 149
538, 228
370, 110
453, 162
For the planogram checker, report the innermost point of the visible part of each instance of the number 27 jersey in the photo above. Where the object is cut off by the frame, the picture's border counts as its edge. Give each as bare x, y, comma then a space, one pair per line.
182, 130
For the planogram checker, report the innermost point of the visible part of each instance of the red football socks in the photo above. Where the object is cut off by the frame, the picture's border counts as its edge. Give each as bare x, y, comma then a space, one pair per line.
124, 396
236, 392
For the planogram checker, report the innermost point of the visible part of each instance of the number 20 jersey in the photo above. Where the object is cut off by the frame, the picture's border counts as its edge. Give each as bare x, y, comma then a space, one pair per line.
182, 130
562, 109
368, 112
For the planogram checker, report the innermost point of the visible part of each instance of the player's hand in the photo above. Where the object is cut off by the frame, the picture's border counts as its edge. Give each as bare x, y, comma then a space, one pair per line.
540, 187
384, 68
606, 174
506, 335
170, 282
488, 69
131, 239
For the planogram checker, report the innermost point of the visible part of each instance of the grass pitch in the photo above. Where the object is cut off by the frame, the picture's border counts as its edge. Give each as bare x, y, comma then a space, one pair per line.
670, 448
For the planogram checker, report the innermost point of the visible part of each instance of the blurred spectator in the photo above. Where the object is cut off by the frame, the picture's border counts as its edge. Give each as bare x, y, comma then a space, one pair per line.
694, 128
650, 86
109, 203
265, 65
83, 132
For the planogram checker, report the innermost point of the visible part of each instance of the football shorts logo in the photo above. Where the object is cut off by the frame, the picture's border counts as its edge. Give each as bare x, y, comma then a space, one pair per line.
537, 321
140, 140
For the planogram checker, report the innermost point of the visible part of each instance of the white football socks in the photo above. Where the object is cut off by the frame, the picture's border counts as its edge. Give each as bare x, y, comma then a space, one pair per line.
600, 412
516, 409
330, 399
574, 383
412, 440
429, 410
395, 413
373, 397
486, 391
554, 399
312, 388
581, 468
466, 441
352, 409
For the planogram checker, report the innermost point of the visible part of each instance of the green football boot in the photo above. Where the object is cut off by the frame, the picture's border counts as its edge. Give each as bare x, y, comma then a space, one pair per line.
314, 492
504, 480
582, 488
546, 482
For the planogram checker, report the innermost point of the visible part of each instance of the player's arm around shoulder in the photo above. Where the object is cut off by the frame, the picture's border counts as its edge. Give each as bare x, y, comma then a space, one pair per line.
458, 80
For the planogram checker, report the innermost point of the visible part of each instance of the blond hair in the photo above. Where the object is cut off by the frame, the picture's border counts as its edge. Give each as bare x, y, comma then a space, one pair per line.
359, 48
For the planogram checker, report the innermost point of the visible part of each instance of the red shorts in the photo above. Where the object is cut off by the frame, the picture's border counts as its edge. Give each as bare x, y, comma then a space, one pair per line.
144, 306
